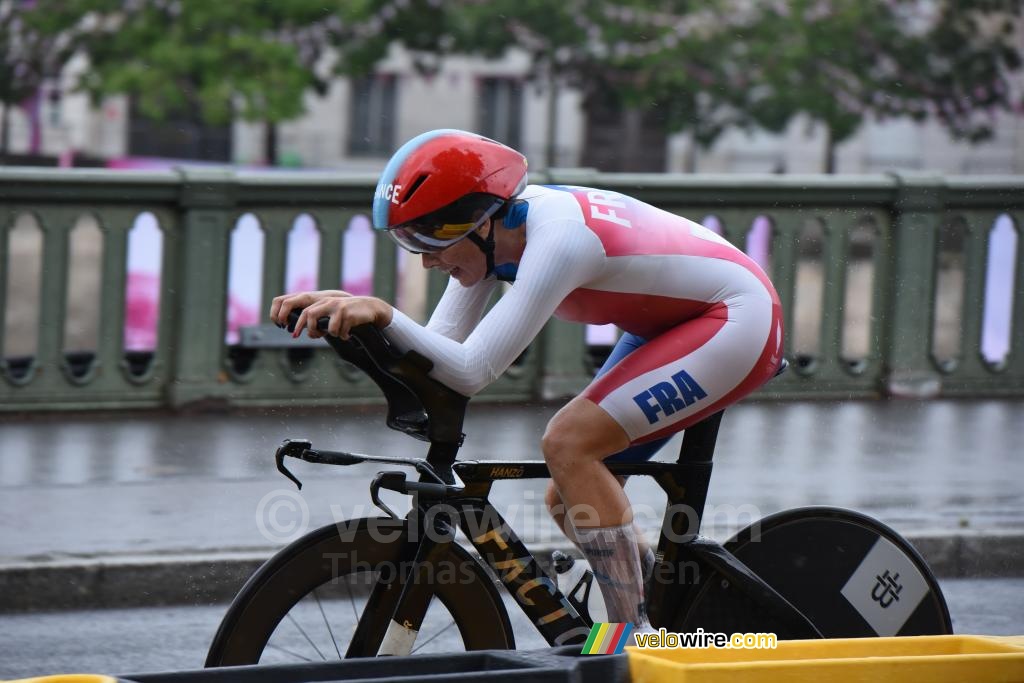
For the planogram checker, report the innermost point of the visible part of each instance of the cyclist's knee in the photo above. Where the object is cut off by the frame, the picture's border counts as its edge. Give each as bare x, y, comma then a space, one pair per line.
556, 443
560, 437
562, 449
581, 429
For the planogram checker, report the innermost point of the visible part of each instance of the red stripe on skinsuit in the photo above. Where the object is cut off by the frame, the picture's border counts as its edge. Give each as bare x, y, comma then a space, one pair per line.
764, 369
680, 341
646, 315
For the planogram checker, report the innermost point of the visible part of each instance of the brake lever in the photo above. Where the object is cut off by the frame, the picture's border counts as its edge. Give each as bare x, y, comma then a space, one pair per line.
387, 480
290, 448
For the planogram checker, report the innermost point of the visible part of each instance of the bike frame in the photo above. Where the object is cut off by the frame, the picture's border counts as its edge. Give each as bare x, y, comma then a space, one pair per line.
393, 617
521, 573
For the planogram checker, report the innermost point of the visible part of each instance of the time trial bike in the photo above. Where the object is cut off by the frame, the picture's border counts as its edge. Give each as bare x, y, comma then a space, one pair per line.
391, 585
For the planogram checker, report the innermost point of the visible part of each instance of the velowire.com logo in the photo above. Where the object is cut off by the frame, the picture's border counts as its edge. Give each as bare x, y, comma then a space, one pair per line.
607, 639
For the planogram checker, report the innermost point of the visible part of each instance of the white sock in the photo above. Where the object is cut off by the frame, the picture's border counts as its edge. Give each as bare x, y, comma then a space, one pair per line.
647, 564
614, 559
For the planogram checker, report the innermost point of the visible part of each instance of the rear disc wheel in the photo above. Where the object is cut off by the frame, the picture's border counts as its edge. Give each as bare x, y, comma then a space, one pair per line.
849, 574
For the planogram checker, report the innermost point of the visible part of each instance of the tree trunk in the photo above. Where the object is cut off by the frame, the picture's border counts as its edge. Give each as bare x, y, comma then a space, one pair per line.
270, 143
690, 159
4, 133
551, 141
32, 107
830, 151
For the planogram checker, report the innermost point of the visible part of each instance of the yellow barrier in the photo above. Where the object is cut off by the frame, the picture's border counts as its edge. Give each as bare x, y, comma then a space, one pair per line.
928, 659
67, 678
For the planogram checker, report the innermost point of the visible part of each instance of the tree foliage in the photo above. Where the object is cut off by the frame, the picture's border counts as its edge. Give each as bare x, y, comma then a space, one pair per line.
839, 62
707, 65
720, 63
33, 46
248, 59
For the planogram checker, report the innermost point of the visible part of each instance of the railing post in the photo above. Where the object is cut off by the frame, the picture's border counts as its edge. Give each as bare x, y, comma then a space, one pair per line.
563, 370
385, 267
907, 366
56, 225
207, 204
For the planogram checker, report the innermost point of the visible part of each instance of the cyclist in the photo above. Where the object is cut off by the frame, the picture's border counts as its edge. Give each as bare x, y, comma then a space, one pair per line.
702, 323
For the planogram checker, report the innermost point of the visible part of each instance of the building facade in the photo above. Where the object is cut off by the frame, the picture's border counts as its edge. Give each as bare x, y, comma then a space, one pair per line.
359, 122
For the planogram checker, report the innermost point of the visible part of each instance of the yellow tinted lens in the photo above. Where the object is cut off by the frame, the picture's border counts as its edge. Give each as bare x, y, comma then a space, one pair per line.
452, 230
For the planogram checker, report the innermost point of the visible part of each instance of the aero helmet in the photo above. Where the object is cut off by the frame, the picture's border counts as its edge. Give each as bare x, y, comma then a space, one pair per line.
442, 185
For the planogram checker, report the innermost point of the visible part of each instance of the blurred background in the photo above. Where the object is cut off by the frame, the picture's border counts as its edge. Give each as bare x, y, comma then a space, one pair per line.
783, 87
776, 86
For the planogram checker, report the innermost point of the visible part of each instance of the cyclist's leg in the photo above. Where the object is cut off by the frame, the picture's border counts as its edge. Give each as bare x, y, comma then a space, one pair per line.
625, 345
557, 510
578, 438
677, 379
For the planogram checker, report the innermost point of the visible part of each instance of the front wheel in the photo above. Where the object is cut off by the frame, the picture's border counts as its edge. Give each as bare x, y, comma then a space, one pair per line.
305, 603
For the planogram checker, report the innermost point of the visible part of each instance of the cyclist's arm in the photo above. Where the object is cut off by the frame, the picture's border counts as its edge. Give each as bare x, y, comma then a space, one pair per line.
460, 309
559, 257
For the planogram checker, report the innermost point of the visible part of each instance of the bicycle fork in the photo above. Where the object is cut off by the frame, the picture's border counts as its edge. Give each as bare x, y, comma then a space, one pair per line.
400, 597
398, 605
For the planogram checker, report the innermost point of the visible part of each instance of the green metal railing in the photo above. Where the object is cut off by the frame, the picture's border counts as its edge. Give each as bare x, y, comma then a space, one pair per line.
864, 243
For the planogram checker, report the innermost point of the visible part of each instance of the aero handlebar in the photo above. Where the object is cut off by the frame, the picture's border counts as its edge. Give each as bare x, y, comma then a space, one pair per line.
418, 405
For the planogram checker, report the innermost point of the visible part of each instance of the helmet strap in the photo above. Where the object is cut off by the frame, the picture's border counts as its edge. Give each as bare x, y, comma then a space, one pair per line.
486, 245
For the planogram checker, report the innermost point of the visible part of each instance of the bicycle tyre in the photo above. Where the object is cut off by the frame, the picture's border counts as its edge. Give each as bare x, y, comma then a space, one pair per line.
325, 555
825, 561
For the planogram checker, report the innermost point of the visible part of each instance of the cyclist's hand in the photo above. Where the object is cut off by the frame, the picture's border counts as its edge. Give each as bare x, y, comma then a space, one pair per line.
344, 312
286, 303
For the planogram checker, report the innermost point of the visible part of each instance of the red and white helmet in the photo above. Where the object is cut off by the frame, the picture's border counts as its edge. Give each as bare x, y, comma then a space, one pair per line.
442, 185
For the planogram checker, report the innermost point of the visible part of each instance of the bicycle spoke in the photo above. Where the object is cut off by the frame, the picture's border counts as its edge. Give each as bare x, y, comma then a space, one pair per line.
352, 601
308, 639
284, 649
433, 637
334, 641
361, 634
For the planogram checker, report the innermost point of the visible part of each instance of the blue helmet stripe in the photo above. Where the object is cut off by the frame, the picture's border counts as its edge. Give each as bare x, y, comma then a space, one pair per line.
381, 205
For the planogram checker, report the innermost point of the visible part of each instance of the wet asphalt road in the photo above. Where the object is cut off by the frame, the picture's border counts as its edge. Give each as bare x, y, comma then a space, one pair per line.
137, 484
165, 639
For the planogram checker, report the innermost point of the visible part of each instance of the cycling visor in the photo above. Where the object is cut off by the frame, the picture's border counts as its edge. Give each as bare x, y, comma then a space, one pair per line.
442, 228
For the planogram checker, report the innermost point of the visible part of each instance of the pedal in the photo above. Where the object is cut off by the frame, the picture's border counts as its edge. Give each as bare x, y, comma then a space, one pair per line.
576, 583
561, 562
